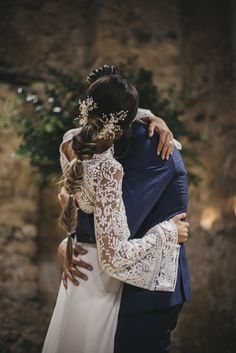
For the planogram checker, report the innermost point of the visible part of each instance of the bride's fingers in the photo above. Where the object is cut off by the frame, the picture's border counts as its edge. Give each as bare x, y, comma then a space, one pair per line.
64, 280
72, 278
79, 250
80, 263
77, 273
85, 265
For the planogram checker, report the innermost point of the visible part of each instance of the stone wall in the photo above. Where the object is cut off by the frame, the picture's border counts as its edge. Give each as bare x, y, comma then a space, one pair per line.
29, 275
18, 238
189, 44
207, 65
81, 35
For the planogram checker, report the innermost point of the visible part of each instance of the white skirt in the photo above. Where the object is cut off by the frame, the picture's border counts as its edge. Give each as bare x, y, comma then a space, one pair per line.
85, 316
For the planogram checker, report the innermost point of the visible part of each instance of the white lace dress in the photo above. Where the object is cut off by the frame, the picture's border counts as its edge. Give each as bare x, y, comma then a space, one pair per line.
85, 317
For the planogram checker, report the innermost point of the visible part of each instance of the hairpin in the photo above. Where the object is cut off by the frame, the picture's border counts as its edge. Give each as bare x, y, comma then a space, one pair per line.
110, 121
85, 106
110, 125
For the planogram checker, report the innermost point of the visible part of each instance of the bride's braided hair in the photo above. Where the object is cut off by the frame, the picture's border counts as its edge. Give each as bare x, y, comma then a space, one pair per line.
112, 93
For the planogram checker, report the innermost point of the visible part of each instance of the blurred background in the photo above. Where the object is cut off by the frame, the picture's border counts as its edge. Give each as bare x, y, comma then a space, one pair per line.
181, 54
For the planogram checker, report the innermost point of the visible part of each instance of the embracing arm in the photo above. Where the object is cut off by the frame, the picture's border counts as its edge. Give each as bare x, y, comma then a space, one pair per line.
150, 262
66, 155
155, 123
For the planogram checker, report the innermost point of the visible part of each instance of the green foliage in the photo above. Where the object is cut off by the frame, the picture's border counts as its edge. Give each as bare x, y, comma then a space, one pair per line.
46, 117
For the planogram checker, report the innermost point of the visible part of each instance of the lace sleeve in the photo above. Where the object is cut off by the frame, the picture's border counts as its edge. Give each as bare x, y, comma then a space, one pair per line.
150, 262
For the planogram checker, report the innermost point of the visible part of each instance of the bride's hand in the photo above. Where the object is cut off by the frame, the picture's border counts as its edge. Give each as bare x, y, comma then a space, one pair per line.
73, 273
182, 227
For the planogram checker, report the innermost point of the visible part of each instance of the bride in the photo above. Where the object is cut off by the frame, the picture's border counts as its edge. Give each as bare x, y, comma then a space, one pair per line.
85, 317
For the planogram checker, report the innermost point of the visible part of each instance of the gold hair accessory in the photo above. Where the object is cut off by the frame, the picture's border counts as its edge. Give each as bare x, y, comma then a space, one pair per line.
85, 107
110, 121
111, 127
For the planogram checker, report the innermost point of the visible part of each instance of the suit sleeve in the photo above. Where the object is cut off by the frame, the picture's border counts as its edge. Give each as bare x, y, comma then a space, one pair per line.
146, 178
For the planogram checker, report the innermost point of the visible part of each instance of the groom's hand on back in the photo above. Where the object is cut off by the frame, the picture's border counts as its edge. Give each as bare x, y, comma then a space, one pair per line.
73, 273
166, 144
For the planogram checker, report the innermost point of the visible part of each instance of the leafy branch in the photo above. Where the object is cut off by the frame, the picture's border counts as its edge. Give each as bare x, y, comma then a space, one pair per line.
44, 117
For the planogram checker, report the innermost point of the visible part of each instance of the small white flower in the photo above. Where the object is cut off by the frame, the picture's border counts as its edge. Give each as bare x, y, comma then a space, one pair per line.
56, 109
29, 98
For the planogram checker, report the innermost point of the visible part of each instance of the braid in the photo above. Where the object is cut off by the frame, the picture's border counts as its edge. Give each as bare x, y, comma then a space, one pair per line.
68, 221
104, 70
73, 178
68, 217
84, 146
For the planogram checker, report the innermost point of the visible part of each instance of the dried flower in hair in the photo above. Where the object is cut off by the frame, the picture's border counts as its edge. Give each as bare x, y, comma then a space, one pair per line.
85, 107
110, 125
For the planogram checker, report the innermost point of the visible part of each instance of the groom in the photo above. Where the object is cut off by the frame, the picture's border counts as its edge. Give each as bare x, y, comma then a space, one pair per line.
154, 190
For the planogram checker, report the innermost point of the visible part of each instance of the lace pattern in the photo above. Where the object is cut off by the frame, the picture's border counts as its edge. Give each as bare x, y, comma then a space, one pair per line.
150, 262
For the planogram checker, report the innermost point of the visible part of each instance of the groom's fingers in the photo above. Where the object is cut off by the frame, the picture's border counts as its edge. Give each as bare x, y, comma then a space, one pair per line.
167, 148
180, 216
170, 148
161, 143
164, 147
151, 129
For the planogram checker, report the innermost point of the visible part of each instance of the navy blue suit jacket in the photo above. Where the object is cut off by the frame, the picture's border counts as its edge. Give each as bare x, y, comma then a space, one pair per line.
153, 191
